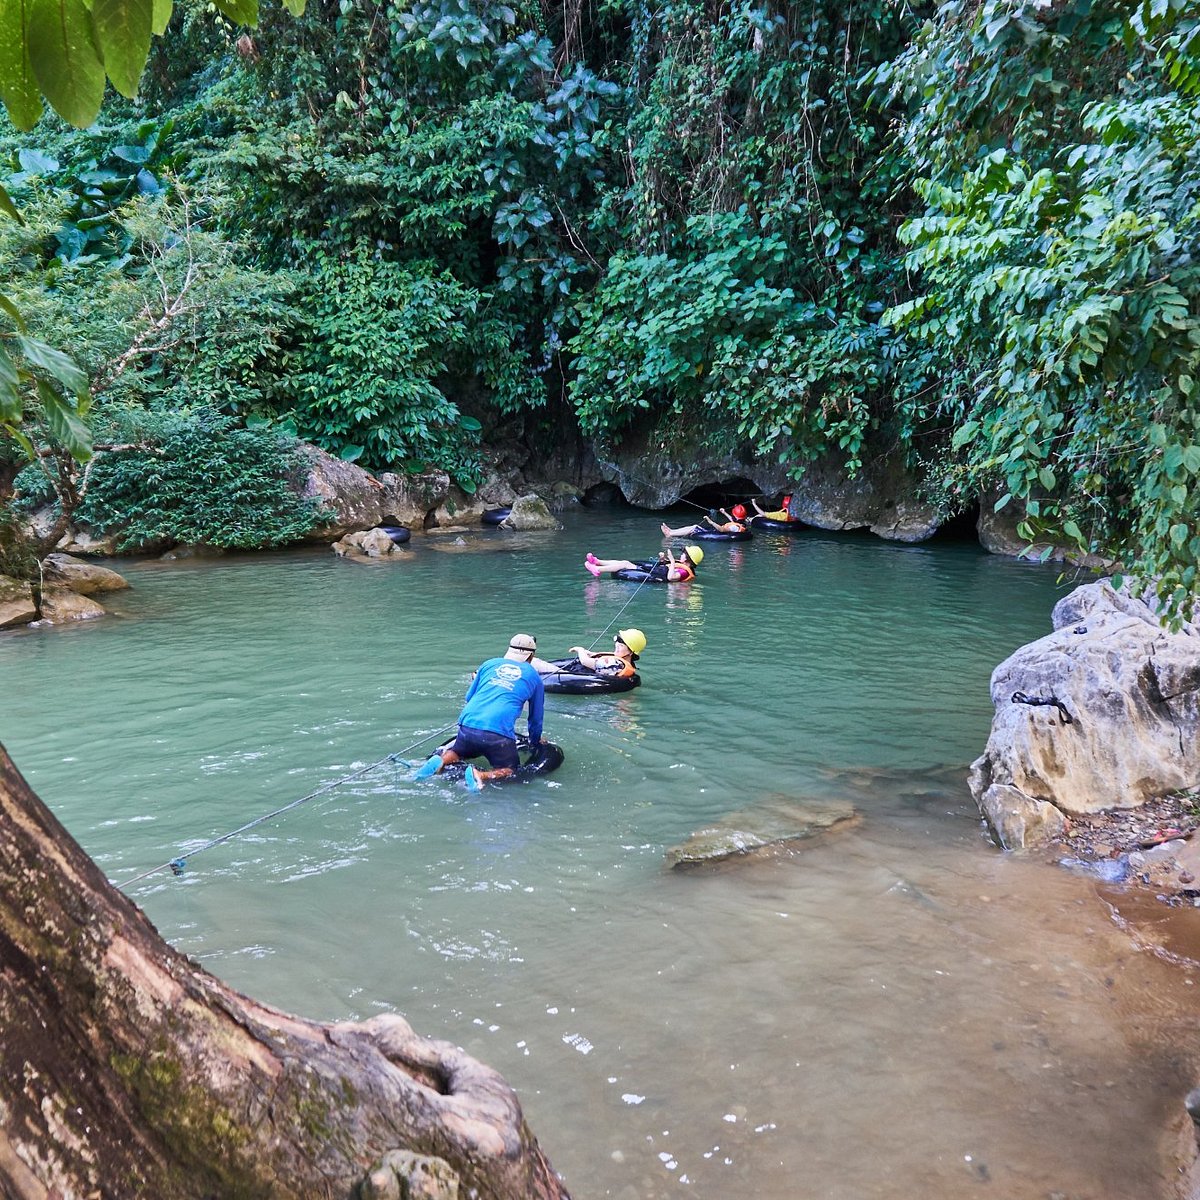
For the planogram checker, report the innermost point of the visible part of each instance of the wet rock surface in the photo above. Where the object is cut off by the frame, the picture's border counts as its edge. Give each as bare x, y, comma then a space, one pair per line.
778, 825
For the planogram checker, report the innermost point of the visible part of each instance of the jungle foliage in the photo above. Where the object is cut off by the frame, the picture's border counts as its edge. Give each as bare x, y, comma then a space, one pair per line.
960, 233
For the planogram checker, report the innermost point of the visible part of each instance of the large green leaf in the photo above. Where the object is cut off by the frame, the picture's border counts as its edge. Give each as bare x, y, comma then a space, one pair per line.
242, 12
295, 7
18, 87
123, 35
6, 205
55, 362
7, 306
65, 426
161, 18
66, 63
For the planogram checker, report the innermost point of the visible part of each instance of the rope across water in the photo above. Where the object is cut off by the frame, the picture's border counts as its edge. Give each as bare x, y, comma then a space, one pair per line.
177, 864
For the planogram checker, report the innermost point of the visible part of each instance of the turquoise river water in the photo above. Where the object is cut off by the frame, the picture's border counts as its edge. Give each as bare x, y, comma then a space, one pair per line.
901, 1011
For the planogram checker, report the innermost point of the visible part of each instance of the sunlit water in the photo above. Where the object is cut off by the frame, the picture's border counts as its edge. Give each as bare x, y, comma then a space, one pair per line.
900, 1011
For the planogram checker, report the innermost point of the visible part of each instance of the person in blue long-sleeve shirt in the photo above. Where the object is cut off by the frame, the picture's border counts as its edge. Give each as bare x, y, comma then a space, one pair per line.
487, 724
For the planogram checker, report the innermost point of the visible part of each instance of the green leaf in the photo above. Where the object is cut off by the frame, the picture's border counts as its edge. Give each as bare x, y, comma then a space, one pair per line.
18, 87
241, 12
1046, 478
123, 35
161, 16
6, 204
13, 311
295, 7
1003, 502
55, 362
351, 453
470, 424
65, 425
66, 63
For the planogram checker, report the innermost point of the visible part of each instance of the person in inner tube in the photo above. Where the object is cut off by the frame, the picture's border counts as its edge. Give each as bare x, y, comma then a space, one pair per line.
735, 522
665, 568
487, 724
628, 644
780, 514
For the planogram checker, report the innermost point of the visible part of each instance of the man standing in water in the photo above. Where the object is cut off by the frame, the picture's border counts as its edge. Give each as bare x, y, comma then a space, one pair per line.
487, 723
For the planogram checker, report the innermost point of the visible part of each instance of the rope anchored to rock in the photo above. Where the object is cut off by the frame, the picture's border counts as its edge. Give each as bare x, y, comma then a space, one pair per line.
1044, 702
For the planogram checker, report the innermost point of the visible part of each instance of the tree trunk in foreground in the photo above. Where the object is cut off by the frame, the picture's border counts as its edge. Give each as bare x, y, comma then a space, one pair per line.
128, 1071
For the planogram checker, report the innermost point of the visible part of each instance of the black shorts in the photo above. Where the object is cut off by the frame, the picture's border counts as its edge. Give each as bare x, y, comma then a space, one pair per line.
500, 751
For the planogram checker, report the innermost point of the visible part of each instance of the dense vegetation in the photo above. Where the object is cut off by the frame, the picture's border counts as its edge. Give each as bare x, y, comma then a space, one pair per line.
962, 234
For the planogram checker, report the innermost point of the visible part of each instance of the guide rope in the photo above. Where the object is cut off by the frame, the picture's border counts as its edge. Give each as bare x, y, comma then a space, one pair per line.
178, 864
620, 610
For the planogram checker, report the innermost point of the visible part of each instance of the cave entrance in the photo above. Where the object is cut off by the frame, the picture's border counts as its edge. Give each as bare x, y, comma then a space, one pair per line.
961, 528
722, 493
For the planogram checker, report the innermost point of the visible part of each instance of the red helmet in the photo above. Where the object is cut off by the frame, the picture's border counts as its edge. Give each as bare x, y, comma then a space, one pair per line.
786, 501
739, 511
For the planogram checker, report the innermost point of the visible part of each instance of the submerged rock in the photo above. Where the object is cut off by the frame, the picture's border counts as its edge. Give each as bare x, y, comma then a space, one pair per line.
368, 543
1102, 713
776, 825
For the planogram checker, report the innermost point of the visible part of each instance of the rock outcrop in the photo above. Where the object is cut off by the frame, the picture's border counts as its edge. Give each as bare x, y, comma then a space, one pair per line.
531, 512
368, 543
1102, 713
17, 606
86, 578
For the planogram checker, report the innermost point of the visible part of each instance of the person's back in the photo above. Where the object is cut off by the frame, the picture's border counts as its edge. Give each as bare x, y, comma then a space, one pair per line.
498, 693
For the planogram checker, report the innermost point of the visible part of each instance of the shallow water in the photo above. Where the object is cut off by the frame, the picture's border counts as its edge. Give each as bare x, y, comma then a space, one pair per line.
897, 1011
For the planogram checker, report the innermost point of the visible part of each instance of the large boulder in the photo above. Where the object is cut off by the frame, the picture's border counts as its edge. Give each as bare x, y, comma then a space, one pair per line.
353, 499
531, 512
882, 497
1102, 713
16, 602
86, 578
60, 605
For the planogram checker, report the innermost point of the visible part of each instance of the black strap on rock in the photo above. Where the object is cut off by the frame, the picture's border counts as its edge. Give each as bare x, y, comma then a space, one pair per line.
1044, 702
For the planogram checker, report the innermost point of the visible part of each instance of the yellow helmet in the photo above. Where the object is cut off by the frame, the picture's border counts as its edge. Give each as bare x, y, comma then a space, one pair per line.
695, 554
635, 639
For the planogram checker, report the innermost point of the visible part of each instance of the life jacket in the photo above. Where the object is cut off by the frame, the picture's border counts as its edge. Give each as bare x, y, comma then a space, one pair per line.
626, 665
682, 564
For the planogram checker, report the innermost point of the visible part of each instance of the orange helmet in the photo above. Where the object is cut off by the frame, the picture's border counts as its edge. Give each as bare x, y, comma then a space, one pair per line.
739, 511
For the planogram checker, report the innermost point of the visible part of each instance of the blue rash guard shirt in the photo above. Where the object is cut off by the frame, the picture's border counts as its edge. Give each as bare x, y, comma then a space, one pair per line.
499, 691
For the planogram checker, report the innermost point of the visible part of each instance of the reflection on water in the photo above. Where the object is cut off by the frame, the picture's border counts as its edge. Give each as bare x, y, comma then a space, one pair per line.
897, 1011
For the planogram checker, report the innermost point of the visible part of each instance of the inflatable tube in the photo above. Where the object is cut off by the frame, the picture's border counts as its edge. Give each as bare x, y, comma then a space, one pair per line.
546, 758
636, 575
397, 533
574, 679
776, 526
703, 533
495, 516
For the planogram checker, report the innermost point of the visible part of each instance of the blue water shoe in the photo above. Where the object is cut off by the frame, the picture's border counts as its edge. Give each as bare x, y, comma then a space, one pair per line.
472, 781
429, 767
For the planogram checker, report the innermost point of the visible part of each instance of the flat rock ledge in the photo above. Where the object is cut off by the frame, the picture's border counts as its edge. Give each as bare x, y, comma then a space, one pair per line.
1103, 713
776, 826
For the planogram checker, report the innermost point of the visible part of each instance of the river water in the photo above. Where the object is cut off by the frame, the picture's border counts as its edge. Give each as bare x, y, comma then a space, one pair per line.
900, 1011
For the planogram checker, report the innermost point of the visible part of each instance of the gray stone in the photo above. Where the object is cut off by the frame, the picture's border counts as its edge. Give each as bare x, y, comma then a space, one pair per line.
367, 543
16, 603
1132, 692
83, 577
777, 824
530, 512
998, 535
412, 499
403, 1175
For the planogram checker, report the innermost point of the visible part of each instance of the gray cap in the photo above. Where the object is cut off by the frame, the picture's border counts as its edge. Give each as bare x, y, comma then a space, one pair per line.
521, 644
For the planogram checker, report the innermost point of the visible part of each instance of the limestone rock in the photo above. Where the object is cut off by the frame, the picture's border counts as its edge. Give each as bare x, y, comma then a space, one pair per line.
775, 825
1131, 691
530, 512
403, 1175
61, 605
192, 550
998, 535
367, 543
83, 577
882, 498
78, 540
16, 603
410, 499
351, 497
457, 510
